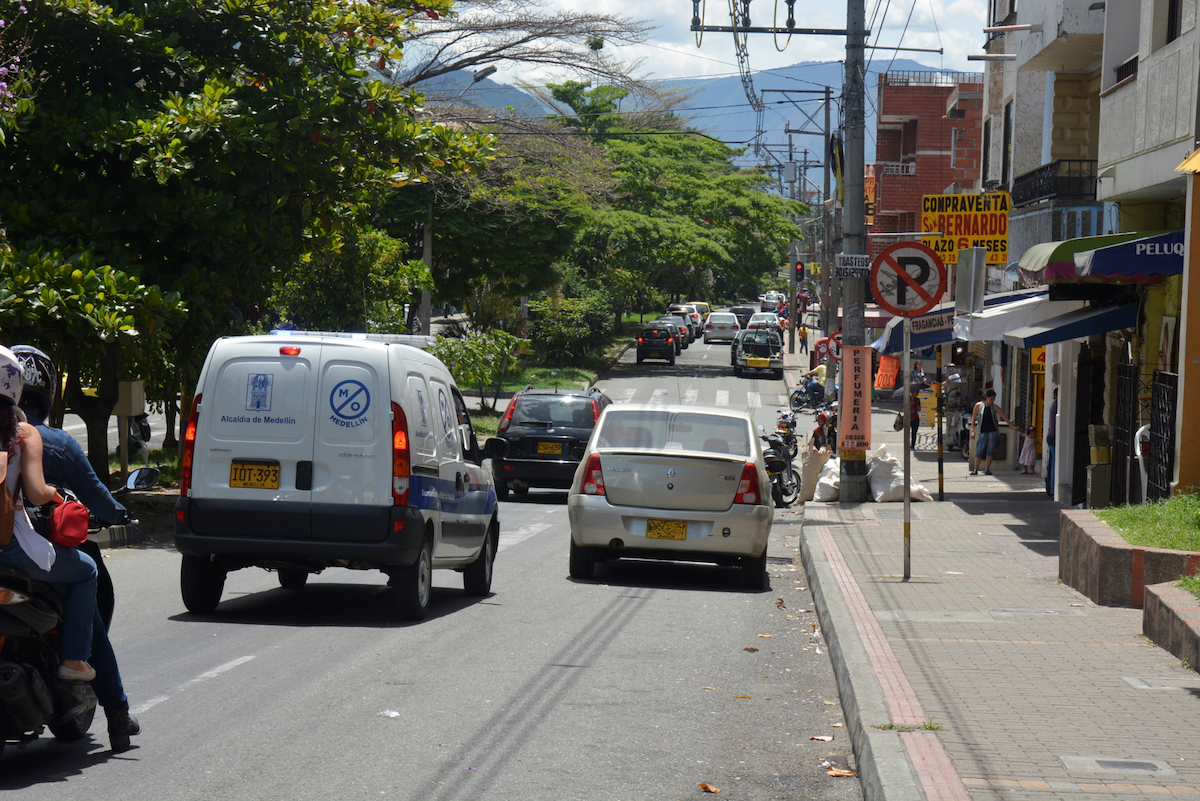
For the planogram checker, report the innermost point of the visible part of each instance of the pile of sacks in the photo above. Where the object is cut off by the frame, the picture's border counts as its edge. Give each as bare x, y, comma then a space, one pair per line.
820, 478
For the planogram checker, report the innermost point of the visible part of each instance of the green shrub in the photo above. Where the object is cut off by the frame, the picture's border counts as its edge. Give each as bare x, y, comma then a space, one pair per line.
568, 330
1172, 523
481, 359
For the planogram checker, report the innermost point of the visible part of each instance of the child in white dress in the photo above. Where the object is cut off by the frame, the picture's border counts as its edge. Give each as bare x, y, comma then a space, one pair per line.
1028, 456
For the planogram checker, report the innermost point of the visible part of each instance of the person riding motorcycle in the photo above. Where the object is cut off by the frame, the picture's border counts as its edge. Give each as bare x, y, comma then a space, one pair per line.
64, 464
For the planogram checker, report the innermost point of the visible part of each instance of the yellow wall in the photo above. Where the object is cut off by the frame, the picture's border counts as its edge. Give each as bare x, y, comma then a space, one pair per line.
1187, 437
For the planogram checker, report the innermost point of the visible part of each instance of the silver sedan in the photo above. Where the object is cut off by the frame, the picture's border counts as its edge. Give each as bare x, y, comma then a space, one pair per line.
682, 483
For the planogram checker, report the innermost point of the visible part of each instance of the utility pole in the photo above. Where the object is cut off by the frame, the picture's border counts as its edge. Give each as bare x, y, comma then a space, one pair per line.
826, 222
854, 290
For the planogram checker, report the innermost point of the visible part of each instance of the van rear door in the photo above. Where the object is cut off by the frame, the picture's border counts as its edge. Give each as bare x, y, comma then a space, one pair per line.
252, 470
352, 473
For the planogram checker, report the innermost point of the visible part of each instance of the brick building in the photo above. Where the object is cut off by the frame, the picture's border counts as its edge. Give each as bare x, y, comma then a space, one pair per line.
929, 141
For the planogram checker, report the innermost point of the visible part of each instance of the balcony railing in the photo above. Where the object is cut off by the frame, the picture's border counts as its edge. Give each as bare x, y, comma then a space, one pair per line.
1073, 179
1130, 67
903, 168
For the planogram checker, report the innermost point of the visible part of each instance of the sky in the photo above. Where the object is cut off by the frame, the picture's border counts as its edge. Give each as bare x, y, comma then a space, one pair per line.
671, 52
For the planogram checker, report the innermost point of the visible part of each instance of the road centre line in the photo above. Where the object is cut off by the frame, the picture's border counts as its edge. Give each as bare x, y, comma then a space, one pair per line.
217, 671
507, 540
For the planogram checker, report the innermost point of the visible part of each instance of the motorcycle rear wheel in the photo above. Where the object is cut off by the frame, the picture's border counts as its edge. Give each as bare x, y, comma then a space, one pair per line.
796, 401
789, 487
76, 727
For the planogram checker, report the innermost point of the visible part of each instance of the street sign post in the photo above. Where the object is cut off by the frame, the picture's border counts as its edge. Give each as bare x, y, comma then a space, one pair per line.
852, 265
908, 279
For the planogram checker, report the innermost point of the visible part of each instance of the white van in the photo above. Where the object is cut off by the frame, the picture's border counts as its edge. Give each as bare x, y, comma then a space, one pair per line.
305, 451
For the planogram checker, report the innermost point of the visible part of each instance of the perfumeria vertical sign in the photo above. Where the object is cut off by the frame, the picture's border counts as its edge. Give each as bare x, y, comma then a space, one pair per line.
854, 425
966, 221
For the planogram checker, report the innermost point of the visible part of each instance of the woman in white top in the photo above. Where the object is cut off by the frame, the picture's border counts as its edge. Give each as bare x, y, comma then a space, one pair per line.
69, 571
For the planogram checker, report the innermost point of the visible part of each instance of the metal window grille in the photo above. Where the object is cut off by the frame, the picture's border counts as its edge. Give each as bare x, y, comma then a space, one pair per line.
1160, 467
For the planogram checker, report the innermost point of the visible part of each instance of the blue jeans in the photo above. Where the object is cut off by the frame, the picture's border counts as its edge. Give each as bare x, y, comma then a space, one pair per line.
110, 692
1050, 470
73, 577
986, 444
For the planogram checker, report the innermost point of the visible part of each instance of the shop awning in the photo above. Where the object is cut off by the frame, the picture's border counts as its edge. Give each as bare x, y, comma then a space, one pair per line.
1142, 260
1190, 164
1074, 325
991, 324
937, 325
1055, 261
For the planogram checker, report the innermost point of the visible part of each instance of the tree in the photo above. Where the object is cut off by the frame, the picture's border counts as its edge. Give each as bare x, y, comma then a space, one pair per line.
84, 314
205, 146
513, 33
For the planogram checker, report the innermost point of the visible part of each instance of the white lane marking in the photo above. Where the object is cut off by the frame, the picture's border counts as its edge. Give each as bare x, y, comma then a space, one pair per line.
626, 395
217, 671
658, 396
722, 397
753, 401
690, 395
705, 356
511, 538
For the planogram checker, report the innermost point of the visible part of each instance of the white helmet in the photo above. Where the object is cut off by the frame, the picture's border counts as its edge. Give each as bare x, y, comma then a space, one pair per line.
12, 376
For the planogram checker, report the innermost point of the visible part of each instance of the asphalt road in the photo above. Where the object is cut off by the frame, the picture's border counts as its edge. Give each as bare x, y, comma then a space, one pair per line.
638, 685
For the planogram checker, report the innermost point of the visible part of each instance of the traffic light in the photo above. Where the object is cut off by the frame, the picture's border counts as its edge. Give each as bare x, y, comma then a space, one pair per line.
799, 276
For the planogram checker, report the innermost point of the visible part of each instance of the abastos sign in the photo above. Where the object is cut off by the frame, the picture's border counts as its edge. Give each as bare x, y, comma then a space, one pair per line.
967, 221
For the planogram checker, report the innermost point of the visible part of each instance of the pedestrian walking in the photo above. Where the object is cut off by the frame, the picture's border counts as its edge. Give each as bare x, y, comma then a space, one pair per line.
803, 332
985, 420
1028, 453
914, 417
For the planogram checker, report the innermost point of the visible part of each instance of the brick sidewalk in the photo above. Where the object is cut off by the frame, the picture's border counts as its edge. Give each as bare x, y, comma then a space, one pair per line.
1038, 693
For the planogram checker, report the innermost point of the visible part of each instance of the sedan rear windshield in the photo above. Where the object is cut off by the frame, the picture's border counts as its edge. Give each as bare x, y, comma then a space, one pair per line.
559, 410
688, 431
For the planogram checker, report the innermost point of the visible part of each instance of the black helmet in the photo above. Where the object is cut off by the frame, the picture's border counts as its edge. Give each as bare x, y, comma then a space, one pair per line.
41, 380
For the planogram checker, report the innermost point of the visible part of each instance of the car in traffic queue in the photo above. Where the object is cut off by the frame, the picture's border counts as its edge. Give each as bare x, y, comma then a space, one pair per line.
669, 482
759, 349
691, 315
703, 308
679, 332
765, 320
733, 346
657, 342
743, 314
720, 325
546, 431
681, 322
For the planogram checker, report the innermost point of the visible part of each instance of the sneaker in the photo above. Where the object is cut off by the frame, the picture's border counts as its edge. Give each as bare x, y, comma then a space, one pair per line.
121, 726
71, 674
987, 472
974, 472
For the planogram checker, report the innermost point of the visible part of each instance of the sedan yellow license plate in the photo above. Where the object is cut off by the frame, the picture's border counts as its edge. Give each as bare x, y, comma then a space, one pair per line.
666, 529
655, 354
550, 447
758, 363
254, 475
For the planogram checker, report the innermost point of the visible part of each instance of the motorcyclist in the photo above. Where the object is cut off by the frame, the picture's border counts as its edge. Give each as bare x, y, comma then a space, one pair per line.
64, 464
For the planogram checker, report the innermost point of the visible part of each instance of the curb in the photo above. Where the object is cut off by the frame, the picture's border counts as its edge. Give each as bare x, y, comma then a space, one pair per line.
884, 770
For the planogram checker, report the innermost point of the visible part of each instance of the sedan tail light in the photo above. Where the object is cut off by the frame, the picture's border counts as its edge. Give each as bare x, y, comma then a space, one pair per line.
748, 487
596, 410
641, 341
708, 326
593, 478
506, 420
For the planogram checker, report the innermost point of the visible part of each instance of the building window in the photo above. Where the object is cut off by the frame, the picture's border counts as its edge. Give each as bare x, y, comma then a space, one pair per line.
1002, 10
1006, 147
1167, 21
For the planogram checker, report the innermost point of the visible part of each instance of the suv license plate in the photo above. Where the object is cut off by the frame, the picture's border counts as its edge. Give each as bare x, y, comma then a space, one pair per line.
254, 475
550, 447
666, 529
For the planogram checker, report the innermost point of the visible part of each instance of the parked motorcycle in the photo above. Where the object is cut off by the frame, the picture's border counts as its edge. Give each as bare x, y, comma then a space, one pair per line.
785, 481
785, 427
32, 697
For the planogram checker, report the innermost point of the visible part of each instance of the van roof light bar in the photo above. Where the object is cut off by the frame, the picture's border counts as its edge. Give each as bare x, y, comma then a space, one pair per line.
422, 341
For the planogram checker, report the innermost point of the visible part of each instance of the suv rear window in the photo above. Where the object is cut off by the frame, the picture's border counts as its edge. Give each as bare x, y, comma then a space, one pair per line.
656, 333
561, 410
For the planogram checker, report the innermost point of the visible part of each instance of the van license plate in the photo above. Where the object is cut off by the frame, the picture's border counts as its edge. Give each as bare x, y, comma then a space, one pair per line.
254, 475
550, 447
666, 529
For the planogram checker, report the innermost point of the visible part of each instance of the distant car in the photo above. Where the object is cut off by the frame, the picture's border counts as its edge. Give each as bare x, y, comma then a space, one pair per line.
743, 314
684, 326
759, 349
701, 307
765, 320
657, 342
733, 346
678, 332
692, 316
547, 431
681, 483
721, 325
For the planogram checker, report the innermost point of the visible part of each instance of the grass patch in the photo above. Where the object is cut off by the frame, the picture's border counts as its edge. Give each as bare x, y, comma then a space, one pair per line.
1173, 523
486, 421
165, 460
1191, 584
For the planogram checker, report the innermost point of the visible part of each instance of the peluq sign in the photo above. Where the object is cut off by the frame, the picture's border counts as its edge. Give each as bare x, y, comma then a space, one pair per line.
967, 221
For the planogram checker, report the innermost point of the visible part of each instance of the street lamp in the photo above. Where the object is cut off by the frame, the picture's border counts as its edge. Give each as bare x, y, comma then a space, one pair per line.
476, 77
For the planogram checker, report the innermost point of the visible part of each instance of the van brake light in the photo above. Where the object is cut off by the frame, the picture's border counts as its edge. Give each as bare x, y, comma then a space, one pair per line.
289, 350
189, 448
400, 457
